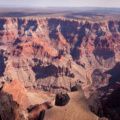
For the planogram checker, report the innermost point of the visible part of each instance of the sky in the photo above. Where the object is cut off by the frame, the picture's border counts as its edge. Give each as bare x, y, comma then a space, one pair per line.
60, 3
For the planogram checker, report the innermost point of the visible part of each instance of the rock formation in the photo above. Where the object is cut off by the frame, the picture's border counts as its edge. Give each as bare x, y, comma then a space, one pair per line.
36, 112
9, 109
18, 91
54, 55
95, 105
111, 105
15, 100
76, 109
61, 99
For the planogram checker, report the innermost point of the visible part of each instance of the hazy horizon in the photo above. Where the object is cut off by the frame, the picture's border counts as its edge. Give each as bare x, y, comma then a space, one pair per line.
62, 3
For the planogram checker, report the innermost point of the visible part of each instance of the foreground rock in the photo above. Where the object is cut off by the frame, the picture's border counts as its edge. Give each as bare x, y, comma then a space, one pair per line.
9, 109
18, 91
111, 104
25, 97
61, 99
35, 112
15, 100
76, 109
95, 105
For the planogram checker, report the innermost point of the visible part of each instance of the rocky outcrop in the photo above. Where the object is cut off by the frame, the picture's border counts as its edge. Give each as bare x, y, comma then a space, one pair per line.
95, 105
18, 91
76, 109
110, 102
16, 102
109, 94
9, 109
62, 99
25, 97
74, 88
42, 114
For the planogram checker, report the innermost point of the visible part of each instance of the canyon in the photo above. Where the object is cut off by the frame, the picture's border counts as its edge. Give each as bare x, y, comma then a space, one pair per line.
49, 56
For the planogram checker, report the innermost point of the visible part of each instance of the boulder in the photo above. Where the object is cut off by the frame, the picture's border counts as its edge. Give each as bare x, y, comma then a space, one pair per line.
74, 89
62, 99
